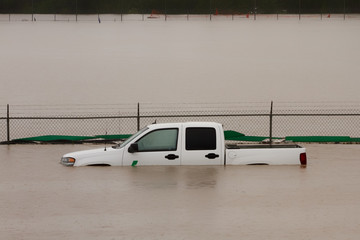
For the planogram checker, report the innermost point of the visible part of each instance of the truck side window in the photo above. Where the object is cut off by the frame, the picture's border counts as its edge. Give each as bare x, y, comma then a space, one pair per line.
159, 140
200, 139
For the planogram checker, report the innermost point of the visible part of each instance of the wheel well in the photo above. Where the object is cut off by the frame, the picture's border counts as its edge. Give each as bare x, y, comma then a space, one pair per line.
99, 165
258, 164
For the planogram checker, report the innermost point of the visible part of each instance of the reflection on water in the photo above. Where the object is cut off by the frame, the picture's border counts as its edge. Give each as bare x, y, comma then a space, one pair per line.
189, 177
154, 177
201, 177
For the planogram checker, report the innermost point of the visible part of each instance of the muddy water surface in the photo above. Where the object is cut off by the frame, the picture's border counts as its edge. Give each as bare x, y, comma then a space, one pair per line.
41, 199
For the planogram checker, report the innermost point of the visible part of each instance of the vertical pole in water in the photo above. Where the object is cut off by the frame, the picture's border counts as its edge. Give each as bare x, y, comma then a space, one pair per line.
8, 123
344, 9
299, 9
98, 10
255, 10
138, 116
271, 118
210, 9
32, 10
121, 11
76, 10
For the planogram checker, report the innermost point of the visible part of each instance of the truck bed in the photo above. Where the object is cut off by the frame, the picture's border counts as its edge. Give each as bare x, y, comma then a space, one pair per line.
255, 146
265, 154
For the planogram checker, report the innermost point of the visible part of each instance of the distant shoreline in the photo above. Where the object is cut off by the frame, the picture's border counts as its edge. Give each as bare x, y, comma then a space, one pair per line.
171, 17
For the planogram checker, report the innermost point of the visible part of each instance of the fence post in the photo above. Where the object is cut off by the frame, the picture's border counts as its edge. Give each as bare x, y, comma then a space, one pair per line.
271, 118
138, 116
8, 123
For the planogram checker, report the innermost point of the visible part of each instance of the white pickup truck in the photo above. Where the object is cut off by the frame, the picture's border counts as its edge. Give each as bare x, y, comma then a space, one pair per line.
192, 143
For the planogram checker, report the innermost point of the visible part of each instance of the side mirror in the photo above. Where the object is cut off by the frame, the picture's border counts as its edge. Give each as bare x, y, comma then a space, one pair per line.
133, 148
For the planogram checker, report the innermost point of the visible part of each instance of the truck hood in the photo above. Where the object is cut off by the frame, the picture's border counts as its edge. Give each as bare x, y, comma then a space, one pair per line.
111, 156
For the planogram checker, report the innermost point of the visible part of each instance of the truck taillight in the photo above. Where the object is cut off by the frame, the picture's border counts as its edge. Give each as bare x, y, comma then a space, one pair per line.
303, 158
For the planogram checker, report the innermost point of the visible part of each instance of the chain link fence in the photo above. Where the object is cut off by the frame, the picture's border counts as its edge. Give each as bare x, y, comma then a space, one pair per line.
251, 119
317, 119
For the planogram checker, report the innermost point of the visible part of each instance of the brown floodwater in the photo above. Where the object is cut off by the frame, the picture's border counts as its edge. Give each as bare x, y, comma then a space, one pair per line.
41, 199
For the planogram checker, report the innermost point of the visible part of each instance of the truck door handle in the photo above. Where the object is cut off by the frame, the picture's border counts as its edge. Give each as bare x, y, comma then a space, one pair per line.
171, 156
212, 155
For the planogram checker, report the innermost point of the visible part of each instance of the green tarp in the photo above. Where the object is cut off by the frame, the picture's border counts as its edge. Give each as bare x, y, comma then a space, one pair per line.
229, 135
236, 136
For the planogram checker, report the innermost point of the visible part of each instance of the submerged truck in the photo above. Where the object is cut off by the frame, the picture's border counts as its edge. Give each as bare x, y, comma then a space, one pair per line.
191, 143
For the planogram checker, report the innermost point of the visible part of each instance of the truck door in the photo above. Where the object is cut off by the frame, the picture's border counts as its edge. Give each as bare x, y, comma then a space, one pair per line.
158, 147
201, 146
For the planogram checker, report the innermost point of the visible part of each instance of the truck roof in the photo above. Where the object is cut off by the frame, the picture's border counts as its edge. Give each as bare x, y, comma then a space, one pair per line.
178, 124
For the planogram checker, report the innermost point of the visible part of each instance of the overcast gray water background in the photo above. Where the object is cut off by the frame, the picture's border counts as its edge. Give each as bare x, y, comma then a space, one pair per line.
158, 62
41, 199
179, 61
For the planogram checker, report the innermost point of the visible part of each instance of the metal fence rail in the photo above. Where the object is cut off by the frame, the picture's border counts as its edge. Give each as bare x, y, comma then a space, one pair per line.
252, 119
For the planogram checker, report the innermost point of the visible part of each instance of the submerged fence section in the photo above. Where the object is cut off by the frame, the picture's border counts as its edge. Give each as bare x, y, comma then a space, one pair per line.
280, 120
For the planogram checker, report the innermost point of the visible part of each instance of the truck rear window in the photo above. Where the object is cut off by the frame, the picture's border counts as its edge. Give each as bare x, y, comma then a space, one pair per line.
200, 139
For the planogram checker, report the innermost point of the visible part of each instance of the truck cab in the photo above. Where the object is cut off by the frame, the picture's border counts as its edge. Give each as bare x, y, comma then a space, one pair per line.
177, 144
